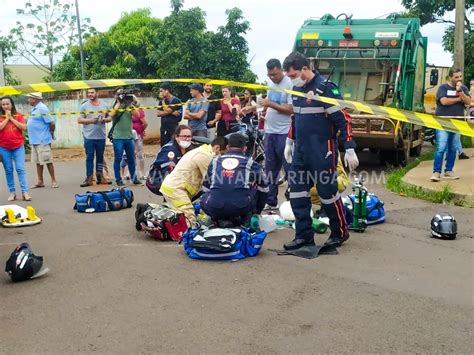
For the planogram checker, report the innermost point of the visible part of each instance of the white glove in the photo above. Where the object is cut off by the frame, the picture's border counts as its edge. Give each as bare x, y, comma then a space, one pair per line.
350, 159
288, 153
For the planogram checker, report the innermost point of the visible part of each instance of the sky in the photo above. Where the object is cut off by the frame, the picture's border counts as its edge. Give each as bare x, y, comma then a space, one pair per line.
273, 23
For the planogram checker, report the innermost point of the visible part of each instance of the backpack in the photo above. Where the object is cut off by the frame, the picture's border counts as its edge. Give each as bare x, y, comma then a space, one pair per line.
375, 209
160, 222
154, 180
222, 243
104, 201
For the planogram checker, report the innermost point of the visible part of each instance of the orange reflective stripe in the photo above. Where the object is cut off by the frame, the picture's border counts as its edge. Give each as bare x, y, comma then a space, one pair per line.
341, 223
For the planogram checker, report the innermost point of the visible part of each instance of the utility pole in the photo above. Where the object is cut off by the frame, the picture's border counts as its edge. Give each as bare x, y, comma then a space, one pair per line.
81, 48
459, 35
2, 72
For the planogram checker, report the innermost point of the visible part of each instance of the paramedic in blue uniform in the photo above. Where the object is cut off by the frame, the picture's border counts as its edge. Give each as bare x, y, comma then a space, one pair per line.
315, 154
168, 156
235, 187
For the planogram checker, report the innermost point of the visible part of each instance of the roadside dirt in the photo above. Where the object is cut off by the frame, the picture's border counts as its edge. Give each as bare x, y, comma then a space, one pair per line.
72, 154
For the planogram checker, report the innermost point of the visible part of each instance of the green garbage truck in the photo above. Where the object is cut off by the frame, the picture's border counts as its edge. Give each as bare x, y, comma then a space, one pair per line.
378, 61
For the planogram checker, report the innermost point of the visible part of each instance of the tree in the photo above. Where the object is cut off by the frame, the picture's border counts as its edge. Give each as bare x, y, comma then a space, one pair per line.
434, 11
179, 46
186, 49
121, 52
231, 58
176, 6
7, 45
10, 79
448, 44
51, 32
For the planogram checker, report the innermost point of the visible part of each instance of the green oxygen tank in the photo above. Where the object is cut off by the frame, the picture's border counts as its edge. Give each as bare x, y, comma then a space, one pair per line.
253, 224
318, 226
359, 223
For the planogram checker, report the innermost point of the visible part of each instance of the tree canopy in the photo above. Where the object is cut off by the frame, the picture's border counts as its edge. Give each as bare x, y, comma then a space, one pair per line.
48, 30
434, 11
178, 46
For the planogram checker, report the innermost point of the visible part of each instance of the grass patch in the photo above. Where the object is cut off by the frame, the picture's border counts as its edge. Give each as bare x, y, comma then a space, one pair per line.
394, 183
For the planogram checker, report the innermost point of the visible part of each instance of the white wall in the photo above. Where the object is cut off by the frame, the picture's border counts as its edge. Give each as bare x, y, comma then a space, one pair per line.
69, 132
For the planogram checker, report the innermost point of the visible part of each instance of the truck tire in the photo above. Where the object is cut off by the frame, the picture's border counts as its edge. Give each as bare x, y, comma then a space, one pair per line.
416, 152
394, 157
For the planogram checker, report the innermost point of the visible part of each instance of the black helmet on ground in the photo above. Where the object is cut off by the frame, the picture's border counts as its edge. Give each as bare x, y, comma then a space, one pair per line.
444, 226
23, 264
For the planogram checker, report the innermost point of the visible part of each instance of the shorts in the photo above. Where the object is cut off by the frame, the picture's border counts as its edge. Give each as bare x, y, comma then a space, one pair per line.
140, 154
41, 154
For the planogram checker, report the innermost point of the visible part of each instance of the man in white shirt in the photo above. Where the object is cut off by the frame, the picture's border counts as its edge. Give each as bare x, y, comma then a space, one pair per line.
278, 107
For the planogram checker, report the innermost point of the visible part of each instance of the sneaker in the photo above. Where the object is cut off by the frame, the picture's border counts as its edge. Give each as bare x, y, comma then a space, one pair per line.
270, 208
450, 175
436, 177
463, 156
120, 183
137, 182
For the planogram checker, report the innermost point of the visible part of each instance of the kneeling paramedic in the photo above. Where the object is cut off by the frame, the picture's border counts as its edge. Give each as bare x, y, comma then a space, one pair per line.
168, 156
315, 152
185, 181
235, 187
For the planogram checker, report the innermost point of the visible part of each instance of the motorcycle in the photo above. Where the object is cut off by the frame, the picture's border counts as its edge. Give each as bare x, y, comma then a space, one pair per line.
255, 146
429, 135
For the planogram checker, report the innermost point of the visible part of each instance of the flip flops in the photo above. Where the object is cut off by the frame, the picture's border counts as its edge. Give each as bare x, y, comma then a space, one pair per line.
37, 186
26, 197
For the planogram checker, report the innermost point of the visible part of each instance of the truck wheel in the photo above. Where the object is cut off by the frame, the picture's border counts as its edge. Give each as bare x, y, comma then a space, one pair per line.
401, 157
394, 157
415, 152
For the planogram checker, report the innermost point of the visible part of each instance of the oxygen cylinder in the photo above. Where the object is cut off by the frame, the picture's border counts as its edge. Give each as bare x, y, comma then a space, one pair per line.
359, 223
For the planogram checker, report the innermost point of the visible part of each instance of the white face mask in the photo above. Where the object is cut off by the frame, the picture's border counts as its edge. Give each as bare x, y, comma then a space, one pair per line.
298, 82
184, 144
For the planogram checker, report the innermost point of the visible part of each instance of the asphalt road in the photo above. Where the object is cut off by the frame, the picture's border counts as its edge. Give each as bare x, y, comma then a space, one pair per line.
113, 290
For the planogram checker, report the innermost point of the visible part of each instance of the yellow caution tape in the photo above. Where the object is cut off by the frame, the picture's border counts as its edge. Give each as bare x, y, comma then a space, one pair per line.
129, 109
426, 120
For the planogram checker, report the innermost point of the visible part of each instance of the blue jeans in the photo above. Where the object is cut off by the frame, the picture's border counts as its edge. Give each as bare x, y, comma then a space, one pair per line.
121, 145
445, 143
458, 143
274, 160
16, 156
97, 147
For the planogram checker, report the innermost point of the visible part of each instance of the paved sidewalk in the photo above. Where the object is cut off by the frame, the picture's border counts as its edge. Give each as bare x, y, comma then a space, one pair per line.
464, 187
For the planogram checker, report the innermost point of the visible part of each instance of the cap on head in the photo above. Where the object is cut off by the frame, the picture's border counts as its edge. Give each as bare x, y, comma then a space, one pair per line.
35, 95
197, 86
